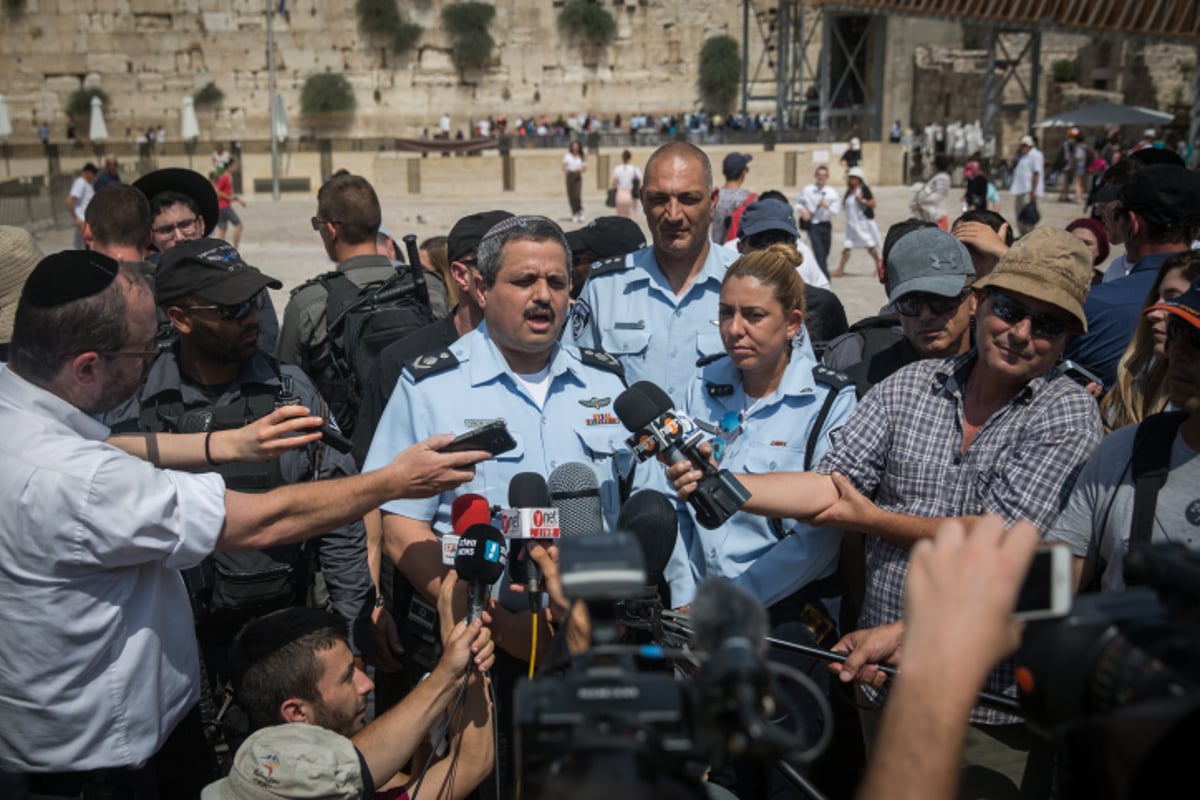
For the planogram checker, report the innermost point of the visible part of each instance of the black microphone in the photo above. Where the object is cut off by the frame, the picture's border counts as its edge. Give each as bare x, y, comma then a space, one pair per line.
575, 492
480, 559
658, 429
650, 517
526, 490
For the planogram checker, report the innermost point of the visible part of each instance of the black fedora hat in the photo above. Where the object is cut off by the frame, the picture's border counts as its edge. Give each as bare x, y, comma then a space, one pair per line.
186, 182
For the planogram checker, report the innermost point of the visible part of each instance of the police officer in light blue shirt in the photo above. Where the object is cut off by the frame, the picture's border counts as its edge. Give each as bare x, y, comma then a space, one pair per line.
557, 401
654, 309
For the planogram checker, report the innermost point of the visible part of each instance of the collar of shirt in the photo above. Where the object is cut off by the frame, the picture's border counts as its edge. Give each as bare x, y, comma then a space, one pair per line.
716, 262
1151, 262
485, 363
364, 262
22, 396
797, 380
952, 376
165, 376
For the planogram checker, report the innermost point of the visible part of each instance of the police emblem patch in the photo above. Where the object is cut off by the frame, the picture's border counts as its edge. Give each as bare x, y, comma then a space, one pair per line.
581, 317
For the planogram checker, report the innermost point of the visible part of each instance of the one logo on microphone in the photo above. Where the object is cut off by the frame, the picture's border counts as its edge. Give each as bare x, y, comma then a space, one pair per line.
491, 551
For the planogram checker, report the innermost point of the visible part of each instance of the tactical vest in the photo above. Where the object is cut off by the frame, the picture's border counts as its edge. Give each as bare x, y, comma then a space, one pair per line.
245, 582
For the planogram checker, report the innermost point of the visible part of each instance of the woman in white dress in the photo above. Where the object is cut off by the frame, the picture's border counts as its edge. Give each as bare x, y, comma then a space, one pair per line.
624, 178
574, 164
861, 230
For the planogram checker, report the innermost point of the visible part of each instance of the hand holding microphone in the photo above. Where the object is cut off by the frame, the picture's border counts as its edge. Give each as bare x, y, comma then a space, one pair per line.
660, 430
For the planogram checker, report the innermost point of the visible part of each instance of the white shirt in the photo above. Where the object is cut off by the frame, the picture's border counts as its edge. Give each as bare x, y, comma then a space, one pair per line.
810, 201
81, 192
98, 659
624, 174
810, 273
1022, 177
573, 163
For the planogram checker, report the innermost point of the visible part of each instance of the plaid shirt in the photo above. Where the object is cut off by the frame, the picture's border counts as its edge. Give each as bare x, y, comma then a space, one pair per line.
902, 447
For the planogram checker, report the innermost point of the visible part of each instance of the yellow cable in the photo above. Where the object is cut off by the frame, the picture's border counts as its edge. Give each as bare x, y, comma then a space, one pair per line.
533, 647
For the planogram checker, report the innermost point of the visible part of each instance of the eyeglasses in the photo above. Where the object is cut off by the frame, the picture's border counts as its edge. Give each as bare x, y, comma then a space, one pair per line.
910, 304
235, 312
185, 227
143, 355
1043, 326
1177, 328
317, 222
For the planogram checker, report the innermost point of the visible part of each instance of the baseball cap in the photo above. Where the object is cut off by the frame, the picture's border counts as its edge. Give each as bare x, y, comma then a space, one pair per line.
767, 215
465, 235
19, 256
1186, 306
734, 163
928, 260
605, 237
292, 761
1163, 193
186, 182
1027, 140
1048, 264
211, 269
857, 172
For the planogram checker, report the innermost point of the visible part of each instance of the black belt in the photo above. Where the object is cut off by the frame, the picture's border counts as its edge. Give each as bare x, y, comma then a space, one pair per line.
81, 784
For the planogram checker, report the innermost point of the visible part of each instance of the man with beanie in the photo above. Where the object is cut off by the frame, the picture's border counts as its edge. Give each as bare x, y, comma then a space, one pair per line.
994, 430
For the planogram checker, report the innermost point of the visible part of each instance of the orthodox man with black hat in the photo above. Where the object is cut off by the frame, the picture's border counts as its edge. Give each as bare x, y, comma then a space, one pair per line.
994, 430
215, 372
99, 672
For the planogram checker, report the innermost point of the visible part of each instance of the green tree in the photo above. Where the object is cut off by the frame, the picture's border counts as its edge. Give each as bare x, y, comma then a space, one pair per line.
467, 23
720, 72
326, 93
208, 96
587, 21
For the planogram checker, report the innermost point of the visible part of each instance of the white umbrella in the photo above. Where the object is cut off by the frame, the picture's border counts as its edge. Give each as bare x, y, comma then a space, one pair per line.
98, 131
5, 122
281, 123
189, 127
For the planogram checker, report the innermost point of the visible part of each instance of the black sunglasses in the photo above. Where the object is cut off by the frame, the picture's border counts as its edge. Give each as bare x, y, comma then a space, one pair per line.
910, 304
1044, 326
235, 312
1176, 328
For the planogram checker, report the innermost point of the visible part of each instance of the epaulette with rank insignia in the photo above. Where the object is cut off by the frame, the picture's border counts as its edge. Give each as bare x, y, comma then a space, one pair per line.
602, 360
704, 361
607, 265
831, 377
432, 363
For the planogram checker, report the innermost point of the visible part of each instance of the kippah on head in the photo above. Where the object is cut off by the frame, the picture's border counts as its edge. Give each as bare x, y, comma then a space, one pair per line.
67, 276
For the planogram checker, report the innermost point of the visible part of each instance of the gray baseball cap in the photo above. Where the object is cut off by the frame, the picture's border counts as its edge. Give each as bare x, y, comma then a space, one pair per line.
928, 260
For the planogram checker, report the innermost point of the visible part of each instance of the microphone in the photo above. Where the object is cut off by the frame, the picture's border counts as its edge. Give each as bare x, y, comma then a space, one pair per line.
466, 510
650, 517
480, 559
658, 429
531, 516
575, 492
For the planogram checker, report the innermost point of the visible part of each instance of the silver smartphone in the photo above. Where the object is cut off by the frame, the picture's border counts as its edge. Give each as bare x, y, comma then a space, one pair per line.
1046, 592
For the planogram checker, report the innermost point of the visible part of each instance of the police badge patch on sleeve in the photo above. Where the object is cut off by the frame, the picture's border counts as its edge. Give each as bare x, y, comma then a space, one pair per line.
581, 316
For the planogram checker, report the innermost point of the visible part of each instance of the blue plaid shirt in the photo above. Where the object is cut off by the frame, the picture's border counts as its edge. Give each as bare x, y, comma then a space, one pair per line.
902, 447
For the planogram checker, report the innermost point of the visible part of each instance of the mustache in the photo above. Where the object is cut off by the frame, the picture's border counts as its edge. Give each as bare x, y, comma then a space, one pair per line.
539, 308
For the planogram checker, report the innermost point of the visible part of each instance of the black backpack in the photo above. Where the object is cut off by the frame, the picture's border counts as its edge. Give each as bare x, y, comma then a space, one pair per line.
361, 321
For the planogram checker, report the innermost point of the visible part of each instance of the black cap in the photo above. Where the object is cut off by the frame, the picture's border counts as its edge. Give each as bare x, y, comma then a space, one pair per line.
735, 164
767, 215
1163, 193
211, 269
68, 275
187, 182
605, 237
466, 233
1157, 155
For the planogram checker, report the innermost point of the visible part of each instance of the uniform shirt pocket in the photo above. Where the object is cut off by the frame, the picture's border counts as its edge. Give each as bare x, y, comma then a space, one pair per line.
762, 459
708, 344
626, 342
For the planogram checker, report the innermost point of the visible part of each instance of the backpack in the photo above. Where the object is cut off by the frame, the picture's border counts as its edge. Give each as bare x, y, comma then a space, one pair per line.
361, 321
735, 218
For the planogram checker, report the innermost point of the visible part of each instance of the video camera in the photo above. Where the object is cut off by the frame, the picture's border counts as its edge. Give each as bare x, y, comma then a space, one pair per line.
1116, 683
646, 714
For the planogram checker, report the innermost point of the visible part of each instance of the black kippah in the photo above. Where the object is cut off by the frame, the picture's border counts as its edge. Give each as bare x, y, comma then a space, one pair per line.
68, 275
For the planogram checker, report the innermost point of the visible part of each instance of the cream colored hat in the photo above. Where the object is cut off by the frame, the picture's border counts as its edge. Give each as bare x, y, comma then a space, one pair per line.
19, 254
1048, 264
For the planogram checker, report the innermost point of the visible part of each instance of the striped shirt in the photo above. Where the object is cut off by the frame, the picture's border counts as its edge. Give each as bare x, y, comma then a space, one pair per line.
902, 447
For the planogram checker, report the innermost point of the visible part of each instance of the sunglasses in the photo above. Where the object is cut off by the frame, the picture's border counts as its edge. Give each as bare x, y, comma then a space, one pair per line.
235, 312
1043, 326
1177, 328
317, 222
910, 304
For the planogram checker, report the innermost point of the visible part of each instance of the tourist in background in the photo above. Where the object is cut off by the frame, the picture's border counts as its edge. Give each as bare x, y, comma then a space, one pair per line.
574, 164
861, 230
627, 180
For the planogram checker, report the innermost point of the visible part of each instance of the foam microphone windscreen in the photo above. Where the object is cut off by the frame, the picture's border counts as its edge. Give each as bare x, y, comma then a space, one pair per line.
481, 555
636, 409
528, 490
650, 516
721, 612
467, 510
575, 492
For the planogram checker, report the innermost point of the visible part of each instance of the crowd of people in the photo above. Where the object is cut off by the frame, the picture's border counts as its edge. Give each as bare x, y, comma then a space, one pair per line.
219, 517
